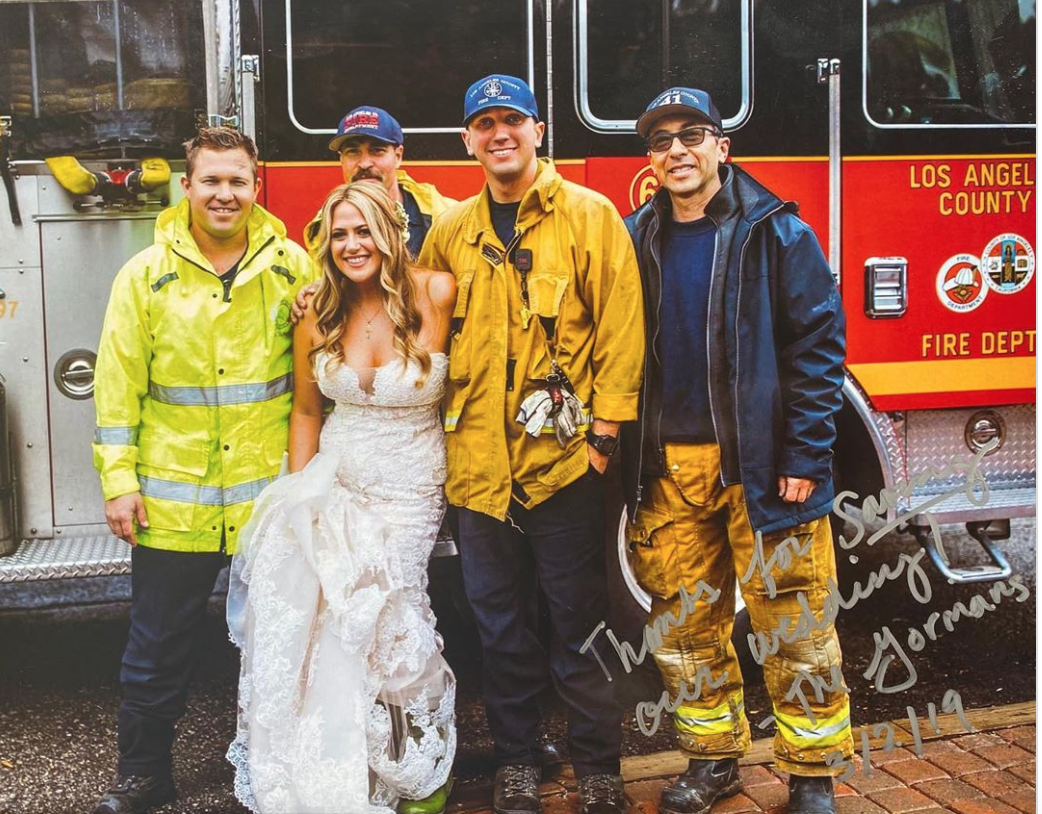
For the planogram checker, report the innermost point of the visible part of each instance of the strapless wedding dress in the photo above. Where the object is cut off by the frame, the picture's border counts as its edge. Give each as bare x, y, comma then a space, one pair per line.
345, 701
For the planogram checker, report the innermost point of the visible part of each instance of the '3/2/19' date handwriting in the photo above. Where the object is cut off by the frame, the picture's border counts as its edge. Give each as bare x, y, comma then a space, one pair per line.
894, 739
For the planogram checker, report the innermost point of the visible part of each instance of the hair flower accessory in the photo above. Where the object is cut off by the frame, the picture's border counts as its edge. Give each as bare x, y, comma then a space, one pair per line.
403, 220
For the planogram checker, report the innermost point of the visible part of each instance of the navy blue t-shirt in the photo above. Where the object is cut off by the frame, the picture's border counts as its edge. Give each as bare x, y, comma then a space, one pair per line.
687, 266
504, 219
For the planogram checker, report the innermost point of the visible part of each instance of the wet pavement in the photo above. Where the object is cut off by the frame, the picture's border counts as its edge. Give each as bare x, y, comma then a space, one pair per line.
59, 692
981, 763
988, 771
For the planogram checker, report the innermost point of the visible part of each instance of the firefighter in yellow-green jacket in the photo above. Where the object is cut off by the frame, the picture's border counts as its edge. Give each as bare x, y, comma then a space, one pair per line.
545, 362
370, 144
193, 390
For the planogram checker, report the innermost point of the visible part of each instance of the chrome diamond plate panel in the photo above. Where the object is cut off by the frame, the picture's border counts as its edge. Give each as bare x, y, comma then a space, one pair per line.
58, 559
1001, 504
935, 437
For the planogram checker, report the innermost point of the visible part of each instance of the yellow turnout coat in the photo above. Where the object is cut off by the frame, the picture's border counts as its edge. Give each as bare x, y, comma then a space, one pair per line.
584, 282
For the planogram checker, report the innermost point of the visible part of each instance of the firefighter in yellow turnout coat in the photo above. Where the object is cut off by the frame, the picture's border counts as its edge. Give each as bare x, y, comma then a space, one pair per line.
194, 381
548, 302
496, 360
193, 389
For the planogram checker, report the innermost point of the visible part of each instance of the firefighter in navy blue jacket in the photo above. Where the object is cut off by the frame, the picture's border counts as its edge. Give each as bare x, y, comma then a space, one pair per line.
731, 459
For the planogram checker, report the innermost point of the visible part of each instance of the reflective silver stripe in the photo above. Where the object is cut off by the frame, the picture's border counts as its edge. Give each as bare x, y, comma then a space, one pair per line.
690, 720
202, 495
244, 492
181, 492
115, 435
222, 395
813, 734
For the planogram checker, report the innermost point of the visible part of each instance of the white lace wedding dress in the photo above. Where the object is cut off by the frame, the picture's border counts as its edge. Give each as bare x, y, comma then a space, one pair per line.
345, 701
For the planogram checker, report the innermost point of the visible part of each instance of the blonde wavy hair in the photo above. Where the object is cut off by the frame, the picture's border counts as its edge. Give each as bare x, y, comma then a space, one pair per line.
335, 298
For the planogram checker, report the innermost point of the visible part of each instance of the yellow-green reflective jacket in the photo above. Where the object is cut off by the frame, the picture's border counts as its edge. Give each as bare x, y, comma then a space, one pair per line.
194, 383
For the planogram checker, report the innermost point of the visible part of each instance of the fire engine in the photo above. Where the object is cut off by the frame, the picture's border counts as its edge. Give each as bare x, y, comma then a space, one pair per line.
905, 129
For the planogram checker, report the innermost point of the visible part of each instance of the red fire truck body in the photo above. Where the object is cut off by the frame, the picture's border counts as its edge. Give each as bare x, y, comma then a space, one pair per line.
904, 129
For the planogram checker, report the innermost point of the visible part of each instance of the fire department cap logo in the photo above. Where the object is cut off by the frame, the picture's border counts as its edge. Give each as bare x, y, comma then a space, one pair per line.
367, 122
960, 283
1009, 263
499, 90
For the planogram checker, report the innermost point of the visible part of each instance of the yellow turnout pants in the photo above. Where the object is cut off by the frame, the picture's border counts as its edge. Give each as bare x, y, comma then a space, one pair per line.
691, 529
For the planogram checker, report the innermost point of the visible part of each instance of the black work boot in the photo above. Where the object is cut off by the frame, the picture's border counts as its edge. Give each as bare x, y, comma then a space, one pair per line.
550, 755
601, 794
516, 790
134, 794
811, 795
704, 782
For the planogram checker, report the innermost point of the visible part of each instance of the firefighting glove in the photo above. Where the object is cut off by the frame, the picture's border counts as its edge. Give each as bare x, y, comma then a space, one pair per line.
567, 421
534, 411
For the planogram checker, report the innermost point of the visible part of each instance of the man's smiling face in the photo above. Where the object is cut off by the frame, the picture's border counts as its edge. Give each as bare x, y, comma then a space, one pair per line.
221, 191
504, 141
688, 171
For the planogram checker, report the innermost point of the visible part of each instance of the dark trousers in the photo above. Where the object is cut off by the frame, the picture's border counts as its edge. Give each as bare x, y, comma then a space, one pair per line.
560, 544
170, 591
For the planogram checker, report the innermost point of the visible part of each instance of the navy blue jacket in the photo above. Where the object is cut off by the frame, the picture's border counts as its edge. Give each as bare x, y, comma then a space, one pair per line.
776, 349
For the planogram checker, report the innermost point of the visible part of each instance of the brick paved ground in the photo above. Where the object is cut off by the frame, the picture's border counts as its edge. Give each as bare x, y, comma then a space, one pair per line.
991, 771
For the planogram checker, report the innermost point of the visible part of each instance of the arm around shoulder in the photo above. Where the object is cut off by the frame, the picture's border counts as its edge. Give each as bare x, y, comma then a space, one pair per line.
441, 290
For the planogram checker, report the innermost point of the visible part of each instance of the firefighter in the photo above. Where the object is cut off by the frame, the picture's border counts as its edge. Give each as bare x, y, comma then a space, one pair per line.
729, 467
193, 391
545, 362
370, 144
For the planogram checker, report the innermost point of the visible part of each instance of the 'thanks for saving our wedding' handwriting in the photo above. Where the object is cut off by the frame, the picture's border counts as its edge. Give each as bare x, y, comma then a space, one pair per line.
890, 648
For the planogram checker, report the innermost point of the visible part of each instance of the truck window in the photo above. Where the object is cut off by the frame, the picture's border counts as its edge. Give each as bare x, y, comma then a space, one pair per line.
99, 77
420, 56
948, 63
628, 51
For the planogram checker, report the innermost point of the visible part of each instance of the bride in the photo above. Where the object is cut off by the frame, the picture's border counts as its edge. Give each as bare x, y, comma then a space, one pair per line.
345, 701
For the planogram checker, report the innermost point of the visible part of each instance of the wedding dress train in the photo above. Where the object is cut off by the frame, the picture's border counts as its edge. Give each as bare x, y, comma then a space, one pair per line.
345, 701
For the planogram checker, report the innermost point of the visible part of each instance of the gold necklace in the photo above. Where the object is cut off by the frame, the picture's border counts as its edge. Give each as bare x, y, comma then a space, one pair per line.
369, 322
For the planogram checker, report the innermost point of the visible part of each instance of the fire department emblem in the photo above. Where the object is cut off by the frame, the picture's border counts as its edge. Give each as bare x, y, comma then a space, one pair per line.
642, 187
283, 326
960, 283
493, 88
1009, 263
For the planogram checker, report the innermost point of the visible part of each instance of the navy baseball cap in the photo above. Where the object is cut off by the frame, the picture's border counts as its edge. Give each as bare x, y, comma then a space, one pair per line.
679, 101
368, 122
499, 90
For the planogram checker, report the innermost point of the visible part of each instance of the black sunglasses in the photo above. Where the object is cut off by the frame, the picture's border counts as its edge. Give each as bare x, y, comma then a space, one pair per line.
689, 137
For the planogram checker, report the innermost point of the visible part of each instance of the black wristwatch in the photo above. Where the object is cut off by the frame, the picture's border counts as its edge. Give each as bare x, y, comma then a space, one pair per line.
604, 444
